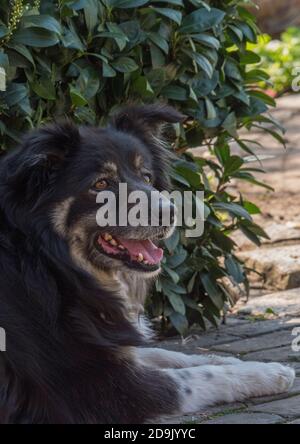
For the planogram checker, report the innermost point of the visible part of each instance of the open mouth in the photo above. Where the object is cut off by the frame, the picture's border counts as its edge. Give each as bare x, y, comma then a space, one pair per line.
140, 254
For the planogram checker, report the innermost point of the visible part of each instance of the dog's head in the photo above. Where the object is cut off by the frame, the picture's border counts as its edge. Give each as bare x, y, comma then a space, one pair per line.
61, 171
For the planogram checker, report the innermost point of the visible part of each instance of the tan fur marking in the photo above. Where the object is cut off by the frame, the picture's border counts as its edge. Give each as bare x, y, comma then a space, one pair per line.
138, 161
59, 215
110, 168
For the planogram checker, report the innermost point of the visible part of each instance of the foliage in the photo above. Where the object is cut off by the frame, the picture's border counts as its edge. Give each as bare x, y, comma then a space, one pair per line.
280, 59
84, 59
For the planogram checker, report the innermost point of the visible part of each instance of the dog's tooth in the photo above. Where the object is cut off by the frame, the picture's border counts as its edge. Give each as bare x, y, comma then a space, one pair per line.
113, 242
121, 247
107, 237
140, 257
145, 262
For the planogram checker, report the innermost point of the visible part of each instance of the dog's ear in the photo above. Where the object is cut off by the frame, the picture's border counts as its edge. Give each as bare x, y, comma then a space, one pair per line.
41, 155
146, 119
51, 144
147, 123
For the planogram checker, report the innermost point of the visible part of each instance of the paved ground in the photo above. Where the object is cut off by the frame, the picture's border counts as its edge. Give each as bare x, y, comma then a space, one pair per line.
262, 328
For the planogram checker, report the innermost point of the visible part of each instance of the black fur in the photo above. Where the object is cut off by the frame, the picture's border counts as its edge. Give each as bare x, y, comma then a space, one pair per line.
64, 362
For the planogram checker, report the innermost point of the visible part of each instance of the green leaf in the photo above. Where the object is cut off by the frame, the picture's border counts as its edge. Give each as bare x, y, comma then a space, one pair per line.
37, 37
249, 58
203, 85
119, 35
237, 32
232, 165
191, 176
15, 93
204, 64
174, 92
91, 14
142, 87
250, 235
251, 207
88, 82
212, 290
2, 79
180, 322
44, 88
191, 282
179, 178
248, 32
108, 71
210, 109
232, 208
262, 96
42, 21
71, 40
156, 78
3, 31
171, 2
176, 302
159, 41
157, 57
21, 49
4, 61
174, 276
171, 14
230, 124
124, 64
232, 70
172, 242
201, 20
77, 98
207, 40
256, 75
235, 269
178, 257
126, 3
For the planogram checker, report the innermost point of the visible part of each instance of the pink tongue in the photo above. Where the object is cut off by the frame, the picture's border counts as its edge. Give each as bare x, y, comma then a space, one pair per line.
150, 252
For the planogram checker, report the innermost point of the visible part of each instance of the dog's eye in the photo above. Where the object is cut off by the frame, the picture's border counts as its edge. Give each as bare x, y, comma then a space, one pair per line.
147, 178
101, 184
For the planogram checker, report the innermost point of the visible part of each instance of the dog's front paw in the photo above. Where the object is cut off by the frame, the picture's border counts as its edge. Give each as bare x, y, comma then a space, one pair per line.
283, 377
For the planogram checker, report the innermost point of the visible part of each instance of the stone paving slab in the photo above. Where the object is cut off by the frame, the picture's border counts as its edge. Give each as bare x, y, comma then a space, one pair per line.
282, 303
289, 103
280, 266
258, 328
204, 341
264, 342
246, 418
277, 232
294, 365
279, 354
288, 408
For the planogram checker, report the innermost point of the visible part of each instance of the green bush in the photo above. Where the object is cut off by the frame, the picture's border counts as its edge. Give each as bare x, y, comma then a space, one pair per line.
280, 59
84, 59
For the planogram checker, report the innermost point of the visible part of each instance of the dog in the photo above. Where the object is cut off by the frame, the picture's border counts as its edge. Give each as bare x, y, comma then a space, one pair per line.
71, 291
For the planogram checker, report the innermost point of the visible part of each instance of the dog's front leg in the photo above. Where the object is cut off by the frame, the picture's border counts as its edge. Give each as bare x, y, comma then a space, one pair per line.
200, 387
160, 358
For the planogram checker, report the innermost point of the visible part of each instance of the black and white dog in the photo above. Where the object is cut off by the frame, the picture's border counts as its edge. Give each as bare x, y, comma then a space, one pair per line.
70, 291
